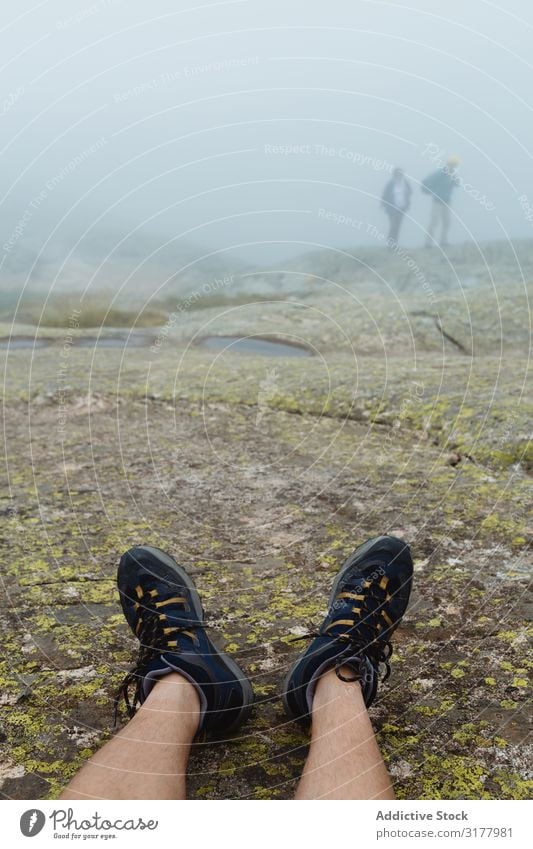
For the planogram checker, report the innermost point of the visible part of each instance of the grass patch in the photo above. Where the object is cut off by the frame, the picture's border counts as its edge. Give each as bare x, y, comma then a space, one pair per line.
95, 311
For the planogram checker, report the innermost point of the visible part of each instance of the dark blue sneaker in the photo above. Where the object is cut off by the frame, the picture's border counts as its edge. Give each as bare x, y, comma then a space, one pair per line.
164, 611
369, 598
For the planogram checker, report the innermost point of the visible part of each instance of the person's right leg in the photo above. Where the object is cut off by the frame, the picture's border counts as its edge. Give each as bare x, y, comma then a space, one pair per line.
336, 678
390, 235
396, 217
445, 224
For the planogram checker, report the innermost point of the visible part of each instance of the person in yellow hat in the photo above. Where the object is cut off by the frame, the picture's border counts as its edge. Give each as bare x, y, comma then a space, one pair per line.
440, 185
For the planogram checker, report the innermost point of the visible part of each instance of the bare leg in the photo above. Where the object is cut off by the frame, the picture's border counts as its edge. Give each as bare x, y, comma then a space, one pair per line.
344, 761
148, 758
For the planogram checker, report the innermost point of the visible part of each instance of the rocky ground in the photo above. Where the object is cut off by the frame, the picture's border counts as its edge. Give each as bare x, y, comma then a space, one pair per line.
261, 474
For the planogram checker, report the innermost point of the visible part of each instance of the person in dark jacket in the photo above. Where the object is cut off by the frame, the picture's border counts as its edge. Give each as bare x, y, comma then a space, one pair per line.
395, 201
440, 185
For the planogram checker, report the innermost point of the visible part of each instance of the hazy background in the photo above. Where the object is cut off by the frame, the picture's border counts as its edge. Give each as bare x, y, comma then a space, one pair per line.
136, 133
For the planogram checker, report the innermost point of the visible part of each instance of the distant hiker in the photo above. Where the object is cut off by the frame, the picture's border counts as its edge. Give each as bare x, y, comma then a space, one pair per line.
440, 185
395, 201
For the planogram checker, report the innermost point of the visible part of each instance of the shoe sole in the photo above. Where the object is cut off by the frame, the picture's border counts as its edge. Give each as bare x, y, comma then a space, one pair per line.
356, 556
186, 580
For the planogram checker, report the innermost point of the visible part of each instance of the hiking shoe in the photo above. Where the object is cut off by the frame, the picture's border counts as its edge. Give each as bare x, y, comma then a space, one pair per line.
164, 611
369, 597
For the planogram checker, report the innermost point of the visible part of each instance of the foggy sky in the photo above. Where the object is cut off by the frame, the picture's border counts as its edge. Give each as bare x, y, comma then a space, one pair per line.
257, 126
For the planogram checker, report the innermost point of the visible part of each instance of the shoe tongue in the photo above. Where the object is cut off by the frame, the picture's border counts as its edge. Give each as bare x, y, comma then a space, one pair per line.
164, 589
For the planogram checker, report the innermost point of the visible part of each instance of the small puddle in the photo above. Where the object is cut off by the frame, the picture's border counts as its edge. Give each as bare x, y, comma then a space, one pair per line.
24, 342
254, 345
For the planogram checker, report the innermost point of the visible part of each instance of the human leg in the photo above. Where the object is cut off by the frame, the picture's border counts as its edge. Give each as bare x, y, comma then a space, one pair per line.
433, 222
395, 221
148, 758
445, 224
392, 226
369, 597
181, 681
344, 760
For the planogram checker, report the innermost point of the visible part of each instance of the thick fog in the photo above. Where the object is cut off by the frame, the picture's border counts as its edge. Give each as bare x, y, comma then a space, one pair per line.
265, 129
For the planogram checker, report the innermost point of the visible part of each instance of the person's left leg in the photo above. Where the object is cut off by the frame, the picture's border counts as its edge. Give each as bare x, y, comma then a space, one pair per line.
148, 758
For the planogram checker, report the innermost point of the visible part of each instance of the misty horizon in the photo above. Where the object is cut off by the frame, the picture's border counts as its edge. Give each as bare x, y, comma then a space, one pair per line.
256, 132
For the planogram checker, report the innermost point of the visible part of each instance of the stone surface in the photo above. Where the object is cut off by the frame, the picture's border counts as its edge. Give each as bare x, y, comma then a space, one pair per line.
260, 476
